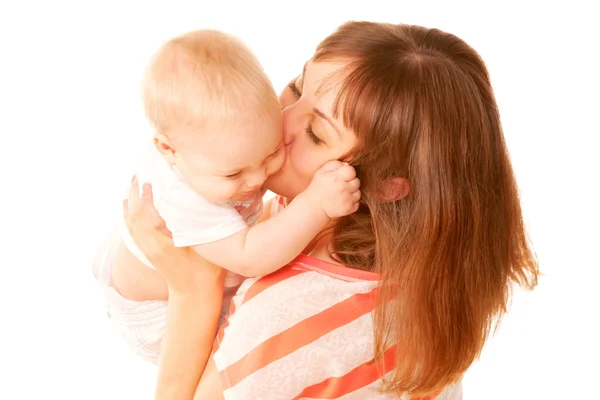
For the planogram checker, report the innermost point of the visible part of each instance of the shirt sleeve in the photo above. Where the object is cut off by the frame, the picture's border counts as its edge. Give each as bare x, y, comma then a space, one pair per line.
193, 220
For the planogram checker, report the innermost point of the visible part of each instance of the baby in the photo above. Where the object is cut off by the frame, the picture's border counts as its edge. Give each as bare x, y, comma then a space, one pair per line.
217, 137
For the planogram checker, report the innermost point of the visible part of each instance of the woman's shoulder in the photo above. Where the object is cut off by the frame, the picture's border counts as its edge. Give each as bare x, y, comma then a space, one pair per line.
307, 283
302, 324
305, 331
300, 291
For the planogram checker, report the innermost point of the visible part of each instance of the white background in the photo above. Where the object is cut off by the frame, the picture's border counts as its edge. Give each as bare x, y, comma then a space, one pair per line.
70, 115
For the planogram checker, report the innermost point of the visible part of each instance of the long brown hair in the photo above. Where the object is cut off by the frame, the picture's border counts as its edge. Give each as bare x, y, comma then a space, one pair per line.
422, 106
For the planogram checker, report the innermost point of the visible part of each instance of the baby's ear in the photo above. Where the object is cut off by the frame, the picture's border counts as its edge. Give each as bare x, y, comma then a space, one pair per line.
163, 145
393, 189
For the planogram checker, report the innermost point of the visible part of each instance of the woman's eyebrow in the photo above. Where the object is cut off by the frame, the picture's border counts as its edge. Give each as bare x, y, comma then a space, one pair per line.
320, 113
300, 78
329, 121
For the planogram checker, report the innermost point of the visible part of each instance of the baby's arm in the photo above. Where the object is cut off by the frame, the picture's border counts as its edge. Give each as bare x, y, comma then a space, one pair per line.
266, 211
266, 247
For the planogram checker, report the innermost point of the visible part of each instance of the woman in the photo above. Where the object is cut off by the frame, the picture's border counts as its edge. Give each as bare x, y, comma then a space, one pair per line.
396, 299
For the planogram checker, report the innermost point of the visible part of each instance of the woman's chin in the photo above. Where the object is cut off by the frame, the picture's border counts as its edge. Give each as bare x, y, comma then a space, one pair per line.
282, 184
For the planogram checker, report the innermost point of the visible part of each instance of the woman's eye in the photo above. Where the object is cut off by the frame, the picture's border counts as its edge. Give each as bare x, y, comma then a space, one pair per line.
311, 135
294, 89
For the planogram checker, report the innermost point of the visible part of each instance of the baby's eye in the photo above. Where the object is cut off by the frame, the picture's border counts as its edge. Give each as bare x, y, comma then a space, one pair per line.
273, 154
234, 175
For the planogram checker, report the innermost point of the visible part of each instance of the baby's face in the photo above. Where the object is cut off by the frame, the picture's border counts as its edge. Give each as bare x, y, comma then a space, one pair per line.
233, 164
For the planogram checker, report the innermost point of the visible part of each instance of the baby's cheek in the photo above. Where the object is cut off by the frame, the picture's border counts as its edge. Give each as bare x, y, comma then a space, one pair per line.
217, 190
276, 164
228, 189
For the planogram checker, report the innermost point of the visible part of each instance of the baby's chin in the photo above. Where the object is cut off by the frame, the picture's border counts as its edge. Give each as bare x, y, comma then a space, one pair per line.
246, 196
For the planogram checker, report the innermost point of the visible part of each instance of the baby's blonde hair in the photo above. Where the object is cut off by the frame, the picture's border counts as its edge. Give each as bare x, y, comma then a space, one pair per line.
203, 81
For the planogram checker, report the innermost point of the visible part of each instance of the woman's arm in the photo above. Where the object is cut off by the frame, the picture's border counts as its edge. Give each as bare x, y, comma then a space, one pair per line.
210, 387
187, 341
195, 295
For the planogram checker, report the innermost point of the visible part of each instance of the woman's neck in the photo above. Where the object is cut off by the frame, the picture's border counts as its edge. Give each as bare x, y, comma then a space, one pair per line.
320, 247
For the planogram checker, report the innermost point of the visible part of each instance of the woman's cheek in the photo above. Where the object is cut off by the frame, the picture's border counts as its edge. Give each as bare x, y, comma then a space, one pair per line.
305, 163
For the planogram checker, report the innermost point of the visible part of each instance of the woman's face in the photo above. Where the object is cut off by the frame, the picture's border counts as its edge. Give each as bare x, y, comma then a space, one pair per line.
311, 135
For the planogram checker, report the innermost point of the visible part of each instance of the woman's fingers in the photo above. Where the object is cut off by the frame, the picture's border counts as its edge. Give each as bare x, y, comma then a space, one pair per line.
134, 203
140, 209
147, 199
147, 207
150, 213
126, 213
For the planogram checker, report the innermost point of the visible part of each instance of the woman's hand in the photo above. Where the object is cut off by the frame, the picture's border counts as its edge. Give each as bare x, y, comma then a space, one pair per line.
195, 296
181, 267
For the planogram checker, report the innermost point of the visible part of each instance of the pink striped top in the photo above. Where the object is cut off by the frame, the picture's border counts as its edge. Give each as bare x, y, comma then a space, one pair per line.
305, 332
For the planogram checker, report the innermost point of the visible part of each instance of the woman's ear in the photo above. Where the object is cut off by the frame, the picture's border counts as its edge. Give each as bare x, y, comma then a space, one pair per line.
394, 189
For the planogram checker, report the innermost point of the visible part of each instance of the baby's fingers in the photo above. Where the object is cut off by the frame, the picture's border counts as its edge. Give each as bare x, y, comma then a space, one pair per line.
353, 185
331, 166
345, 172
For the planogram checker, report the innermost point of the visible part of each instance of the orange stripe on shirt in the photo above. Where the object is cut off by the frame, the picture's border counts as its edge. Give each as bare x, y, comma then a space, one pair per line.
359, 377
256, 288
298, 336
269, 280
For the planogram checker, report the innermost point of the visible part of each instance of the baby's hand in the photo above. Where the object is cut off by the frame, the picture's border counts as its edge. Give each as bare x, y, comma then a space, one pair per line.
335, 188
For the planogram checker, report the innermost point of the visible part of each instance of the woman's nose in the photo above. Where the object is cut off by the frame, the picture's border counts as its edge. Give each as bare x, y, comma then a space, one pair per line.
291, 123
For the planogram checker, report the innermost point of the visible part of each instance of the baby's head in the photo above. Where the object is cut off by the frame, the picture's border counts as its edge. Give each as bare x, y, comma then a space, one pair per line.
215, 114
